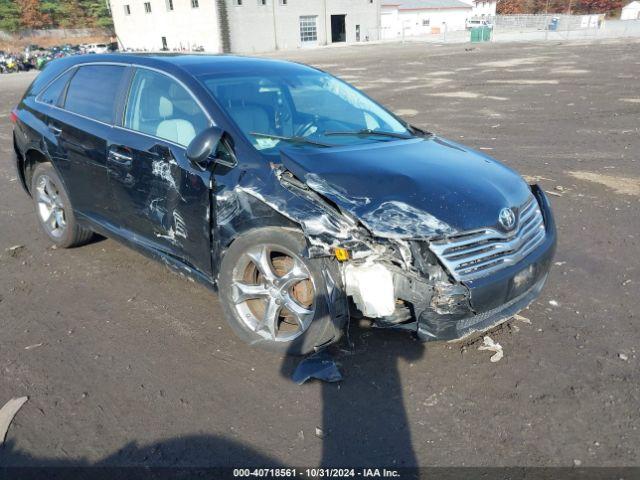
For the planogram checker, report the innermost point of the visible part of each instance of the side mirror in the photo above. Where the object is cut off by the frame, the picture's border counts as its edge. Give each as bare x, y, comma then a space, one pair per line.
204, 145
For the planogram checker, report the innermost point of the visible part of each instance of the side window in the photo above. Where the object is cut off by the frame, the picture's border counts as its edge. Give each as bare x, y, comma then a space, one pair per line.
93, 90
161, 107
51, 96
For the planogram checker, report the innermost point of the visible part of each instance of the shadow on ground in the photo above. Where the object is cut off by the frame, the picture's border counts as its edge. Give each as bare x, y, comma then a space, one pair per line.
364, 419
364, 422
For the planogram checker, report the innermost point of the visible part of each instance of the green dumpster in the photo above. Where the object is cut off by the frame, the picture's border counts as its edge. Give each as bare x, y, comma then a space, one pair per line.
480, 34
486, 34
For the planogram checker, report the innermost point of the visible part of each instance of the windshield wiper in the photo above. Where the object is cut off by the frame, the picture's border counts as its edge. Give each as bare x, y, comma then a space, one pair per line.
419, 131
291, 139
367, 131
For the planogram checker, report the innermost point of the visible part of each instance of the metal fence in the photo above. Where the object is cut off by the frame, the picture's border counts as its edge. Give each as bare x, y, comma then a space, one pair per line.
551, 27
552, 22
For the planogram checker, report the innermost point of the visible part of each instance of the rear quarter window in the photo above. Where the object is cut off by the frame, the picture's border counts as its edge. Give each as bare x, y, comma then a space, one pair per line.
51, 70
92, 91
52, 94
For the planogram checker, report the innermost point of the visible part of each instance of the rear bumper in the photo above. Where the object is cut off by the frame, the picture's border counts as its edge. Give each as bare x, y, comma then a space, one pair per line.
488, 301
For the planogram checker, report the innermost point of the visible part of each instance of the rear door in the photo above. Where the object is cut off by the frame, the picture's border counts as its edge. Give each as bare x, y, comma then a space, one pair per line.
83, 126
157, 196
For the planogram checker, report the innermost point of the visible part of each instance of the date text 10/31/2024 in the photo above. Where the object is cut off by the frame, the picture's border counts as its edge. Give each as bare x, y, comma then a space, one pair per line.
315, 473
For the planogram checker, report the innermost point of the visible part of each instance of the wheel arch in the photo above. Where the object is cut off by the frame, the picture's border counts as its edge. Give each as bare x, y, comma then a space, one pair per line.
239, 214
27, 165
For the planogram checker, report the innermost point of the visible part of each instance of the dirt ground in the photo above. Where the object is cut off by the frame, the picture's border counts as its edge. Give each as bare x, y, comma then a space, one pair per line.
126, 363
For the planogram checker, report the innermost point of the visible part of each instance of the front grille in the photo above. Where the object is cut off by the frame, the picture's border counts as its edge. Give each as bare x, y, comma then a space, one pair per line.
477, 253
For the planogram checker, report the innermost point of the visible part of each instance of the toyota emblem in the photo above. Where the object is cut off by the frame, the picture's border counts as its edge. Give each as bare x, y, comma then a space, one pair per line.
507, 218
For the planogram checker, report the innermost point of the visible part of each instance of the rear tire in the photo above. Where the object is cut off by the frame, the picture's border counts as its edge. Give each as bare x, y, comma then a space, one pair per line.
273, 296
54, 210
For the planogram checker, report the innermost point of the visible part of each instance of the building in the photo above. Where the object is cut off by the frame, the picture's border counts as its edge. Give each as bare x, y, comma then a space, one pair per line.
631, 11
242, 26
166, 24
411, 18
482, 9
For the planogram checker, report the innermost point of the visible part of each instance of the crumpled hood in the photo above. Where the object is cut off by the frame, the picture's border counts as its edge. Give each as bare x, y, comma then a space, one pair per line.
414, 188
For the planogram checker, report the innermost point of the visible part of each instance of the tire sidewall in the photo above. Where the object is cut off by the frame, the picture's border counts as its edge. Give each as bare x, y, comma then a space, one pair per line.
321, 330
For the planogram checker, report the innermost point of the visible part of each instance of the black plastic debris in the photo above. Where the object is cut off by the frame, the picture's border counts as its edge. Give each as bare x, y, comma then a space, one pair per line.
320, 365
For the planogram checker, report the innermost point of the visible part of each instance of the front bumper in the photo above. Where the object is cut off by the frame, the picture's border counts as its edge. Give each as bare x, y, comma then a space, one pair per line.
483, 303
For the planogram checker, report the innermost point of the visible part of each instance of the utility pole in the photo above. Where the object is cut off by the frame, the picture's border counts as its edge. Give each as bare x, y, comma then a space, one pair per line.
275, 23
546, 21
327, 25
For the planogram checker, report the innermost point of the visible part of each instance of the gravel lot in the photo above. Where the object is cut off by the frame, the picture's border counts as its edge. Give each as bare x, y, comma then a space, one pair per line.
125, 362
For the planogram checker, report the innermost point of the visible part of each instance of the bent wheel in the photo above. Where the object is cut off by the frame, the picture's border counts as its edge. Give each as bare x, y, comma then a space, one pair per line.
273, 295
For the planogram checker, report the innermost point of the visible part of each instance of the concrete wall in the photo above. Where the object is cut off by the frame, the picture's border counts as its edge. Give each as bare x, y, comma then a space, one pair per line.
631, 12
184, 27
60, 33
391, 28
260, 28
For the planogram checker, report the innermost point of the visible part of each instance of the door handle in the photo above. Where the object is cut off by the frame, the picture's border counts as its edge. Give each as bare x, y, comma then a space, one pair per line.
160, 152
120, 158
55, 130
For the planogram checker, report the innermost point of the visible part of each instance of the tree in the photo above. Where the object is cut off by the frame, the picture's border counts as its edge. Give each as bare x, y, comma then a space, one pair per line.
597, 6
98, 12
9, 16
510, 7
75, 14
31, 16
54, 9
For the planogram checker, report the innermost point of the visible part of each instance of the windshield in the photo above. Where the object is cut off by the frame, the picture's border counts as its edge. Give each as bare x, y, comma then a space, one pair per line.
305, 109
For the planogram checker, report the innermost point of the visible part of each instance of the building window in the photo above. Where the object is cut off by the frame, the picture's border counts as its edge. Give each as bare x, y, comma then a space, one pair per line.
425, 22
238, 3
127, 10
169, 5
194, 4
147, 7
262, 2
283, 2
308, 29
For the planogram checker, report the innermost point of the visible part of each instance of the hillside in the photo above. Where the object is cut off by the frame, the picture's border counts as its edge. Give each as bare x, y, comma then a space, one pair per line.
37, 14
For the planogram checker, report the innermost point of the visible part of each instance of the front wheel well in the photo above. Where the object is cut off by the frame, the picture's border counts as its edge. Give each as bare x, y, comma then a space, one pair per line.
32, 158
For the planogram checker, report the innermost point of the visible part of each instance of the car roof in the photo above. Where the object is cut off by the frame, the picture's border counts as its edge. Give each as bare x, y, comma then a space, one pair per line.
198, 64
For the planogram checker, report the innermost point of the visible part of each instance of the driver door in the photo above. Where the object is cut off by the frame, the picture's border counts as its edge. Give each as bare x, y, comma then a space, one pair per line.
158, 199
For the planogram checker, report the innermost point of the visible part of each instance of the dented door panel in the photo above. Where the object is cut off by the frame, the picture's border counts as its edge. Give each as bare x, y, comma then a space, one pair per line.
155, 193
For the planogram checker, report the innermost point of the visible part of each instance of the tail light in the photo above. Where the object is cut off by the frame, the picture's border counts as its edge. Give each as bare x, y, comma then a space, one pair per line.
13, 116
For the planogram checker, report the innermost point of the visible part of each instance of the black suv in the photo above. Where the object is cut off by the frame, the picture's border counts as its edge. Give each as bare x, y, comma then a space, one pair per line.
296, 196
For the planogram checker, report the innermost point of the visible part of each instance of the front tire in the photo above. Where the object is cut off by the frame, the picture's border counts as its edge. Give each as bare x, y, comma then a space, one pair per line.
54, 210
273, 296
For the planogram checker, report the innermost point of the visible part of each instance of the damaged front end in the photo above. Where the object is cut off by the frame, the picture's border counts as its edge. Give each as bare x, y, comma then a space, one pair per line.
397, 273
443, 276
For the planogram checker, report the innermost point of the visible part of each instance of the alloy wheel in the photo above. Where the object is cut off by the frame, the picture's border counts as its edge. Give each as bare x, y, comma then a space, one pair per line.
273, 293
50, 206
